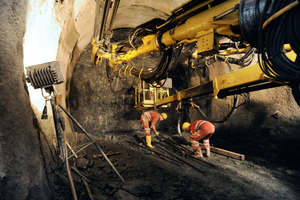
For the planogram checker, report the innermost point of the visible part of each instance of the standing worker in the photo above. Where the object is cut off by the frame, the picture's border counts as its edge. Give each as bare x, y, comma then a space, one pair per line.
153, 117
199, 129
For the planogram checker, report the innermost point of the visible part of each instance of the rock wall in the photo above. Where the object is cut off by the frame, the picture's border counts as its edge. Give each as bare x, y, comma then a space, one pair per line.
95, 106
22, 167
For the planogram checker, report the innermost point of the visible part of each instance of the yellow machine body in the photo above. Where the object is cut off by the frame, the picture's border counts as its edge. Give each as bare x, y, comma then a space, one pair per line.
201, 28
245, 77
203, 23
204, 29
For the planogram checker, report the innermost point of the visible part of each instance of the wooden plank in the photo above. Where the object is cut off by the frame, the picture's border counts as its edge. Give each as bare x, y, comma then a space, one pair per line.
226, 153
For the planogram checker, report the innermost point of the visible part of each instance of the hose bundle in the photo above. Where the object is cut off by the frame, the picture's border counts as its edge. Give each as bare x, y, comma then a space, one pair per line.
167, 63
243, 61
284, 29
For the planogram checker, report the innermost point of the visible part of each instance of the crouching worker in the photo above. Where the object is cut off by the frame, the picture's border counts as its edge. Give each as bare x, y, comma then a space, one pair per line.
199, 129
151, 117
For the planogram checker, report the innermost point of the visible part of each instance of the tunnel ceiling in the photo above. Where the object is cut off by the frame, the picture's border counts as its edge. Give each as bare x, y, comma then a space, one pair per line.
132, 13
77, 22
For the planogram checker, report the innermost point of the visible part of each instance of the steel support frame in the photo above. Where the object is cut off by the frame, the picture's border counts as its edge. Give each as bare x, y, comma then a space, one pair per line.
244, 80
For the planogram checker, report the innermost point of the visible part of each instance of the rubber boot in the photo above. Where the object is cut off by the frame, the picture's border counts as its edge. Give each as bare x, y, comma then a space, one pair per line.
198, 153
148, 141
207, 151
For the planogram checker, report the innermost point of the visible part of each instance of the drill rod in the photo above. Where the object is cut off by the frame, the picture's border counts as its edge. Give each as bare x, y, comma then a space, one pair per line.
180, 150
171, 142
155, 151
97, 146
199, 170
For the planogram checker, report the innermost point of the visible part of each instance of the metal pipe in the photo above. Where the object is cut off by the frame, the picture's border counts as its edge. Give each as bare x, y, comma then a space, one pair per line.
90, 138
199, 170
113, 16
231, 10
62, 147
75, 153
160, 154
171, 142
104, 18
180, 150
108, 154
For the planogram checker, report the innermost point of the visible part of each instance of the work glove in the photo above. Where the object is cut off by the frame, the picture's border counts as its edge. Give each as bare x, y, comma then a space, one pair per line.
157, 133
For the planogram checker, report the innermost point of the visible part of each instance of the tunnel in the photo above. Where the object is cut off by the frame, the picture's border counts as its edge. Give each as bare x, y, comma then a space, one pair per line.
255, 145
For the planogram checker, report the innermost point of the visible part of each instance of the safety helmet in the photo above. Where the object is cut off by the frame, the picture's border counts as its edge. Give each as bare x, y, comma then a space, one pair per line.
164, 115
185, 125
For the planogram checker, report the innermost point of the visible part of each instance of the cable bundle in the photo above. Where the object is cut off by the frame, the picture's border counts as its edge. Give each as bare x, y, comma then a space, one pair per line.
285, 29
167, 63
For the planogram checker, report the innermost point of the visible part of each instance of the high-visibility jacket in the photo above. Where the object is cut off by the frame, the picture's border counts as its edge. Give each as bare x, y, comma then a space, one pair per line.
149, 116
201, 129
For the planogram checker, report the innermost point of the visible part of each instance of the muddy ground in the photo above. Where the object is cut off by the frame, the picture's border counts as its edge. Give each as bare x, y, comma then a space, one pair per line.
148, 176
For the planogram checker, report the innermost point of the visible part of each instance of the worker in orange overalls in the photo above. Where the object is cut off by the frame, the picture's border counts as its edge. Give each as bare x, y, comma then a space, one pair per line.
153, 117
199, 129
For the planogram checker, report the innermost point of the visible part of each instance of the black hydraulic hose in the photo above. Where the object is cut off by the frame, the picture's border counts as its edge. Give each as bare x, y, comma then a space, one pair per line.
182, 116
62, 147
167, 63
294, 34
282, 30
172, 65
91, 139
231, 113
228, 116
179, 125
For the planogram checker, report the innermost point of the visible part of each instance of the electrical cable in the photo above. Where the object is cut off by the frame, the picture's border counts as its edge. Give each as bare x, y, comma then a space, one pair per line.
132, 36
279, 13
244, 61
229, 115
186, 109
247, 59
62, 146
283, 30
167, 64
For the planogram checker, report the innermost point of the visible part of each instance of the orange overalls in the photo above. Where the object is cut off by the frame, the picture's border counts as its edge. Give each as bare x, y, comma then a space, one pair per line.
200, 129
149, 116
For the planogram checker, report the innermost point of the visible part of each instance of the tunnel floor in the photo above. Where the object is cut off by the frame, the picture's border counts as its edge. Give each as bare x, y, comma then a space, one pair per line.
150, 176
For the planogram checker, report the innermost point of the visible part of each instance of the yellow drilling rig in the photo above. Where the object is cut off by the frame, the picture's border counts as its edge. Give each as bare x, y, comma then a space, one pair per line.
267, 28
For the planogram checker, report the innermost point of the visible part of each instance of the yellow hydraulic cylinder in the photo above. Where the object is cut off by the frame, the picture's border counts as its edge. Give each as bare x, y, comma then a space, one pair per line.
200, 22
147, 47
